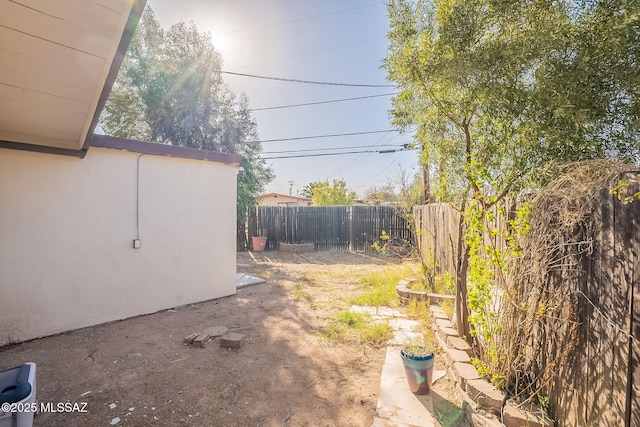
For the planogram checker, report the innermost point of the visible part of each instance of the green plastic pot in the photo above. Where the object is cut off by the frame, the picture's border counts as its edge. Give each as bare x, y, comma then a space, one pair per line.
419, 371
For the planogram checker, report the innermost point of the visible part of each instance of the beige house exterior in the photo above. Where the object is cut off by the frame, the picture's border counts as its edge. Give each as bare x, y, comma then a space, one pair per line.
93, 228
276, 199
68, 227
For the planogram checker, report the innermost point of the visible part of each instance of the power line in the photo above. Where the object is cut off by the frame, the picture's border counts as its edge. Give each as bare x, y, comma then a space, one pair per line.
333, 154
333, 148
328, 136
311, 82
321, 102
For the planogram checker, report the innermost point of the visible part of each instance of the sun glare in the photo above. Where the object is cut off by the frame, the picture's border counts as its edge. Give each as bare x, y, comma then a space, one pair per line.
220, 41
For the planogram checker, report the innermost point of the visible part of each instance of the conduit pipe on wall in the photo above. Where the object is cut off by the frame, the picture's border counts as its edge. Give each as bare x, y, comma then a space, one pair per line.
137, 243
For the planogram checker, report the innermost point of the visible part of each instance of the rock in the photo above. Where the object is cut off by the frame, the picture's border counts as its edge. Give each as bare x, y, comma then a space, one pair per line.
232, 340
189, 340
216, 331
201, 340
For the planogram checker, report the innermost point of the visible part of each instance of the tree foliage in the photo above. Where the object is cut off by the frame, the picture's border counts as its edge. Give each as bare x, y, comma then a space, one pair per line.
307, 190
170, 91
499, 91
335, 193
383, 194
499, 88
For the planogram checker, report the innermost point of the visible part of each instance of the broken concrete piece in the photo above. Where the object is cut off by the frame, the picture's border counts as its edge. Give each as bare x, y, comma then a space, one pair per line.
201, 340
216, 331
232, 340
189, 340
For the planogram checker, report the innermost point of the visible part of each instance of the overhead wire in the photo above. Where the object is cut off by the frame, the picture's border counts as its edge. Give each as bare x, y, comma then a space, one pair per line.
311, 82
328, 148
327, 136
321, 102
334, 154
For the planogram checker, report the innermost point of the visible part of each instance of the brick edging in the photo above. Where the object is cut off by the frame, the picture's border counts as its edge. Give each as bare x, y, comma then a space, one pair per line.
406, 294
486, 406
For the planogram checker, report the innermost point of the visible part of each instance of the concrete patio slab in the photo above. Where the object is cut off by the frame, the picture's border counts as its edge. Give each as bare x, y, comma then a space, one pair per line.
243, 280
379, 422
397, 405
377, 312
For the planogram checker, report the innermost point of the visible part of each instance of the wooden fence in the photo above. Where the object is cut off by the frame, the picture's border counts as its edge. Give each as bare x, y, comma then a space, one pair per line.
599, 385
327, 227
437, 229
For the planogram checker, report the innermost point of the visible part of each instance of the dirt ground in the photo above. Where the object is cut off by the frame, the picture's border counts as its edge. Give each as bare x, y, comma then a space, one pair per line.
285, 375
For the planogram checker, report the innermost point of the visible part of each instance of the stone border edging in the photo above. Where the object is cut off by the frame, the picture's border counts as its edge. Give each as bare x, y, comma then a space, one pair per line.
406, 294
485, 404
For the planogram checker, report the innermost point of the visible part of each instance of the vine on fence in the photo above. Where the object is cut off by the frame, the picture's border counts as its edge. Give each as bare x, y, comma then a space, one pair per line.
524, 278
490, 251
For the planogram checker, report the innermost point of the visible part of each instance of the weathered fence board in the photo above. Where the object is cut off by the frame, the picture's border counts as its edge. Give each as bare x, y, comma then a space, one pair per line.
327, 227
437, 229
599, 382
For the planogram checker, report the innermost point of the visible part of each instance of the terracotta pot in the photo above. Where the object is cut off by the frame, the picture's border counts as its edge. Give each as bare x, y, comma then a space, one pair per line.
258, 243
419, 370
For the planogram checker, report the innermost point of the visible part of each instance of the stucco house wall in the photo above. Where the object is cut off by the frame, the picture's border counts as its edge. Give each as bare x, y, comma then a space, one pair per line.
67, 227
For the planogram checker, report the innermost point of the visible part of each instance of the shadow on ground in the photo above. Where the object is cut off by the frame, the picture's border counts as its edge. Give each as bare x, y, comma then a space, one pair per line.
284, 375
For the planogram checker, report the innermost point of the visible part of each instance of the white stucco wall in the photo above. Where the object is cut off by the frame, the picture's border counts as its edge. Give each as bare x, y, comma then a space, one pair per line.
66, 231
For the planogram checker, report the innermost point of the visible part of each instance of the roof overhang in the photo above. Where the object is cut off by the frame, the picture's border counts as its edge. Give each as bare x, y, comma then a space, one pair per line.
164, 150
58, 62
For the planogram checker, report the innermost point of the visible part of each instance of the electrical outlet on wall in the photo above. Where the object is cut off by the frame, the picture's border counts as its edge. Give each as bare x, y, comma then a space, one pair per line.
137, 243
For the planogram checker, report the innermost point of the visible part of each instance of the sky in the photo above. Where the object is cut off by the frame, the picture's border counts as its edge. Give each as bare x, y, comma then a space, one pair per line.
333, 41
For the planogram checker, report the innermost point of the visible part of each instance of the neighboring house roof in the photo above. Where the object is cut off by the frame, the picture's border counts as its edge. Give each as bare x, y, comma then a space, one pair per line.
302, 199
59, 61
163, 150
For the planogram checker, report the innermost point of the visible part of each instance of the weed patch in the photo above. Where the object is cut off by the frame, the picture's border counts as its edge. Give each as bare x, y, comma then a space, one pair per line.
355, 327
380, 286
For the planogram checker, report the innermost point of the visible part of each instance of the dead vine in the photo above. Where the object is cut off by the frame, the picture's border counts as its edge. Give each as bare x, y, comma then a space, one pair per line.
541, 312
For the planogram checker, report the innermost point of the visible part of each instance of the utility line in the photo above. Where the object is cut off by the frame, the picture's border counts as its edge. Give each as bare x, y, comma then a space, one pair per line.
334, 154
333, 148
328, 136
321, 102
311, 82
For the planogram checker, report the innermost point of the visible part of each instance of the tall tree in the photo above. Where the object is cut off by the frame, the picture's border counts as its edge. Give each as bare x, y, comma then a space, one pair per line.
170, 91
499, 88
307, 190
334, 193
